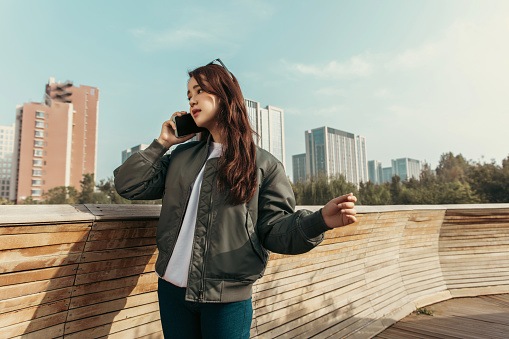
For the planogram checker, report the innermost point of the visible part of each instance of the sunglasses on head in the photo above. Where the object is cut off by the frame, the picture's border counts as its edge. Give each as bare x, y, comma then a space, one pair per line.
221, 64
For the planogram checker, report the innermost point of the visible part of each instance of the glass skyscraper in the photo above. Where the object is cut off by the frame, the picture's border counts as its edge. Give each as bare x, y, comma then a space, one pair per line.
330, 151
387, 174
375, 172
299, 167
268, 123
406, 168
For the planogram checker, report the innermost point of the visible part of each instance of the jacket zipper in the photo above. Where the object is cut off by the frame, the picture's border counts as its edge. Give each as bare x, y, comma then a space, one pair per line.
200, 292
183, 214
181, 219
206, 245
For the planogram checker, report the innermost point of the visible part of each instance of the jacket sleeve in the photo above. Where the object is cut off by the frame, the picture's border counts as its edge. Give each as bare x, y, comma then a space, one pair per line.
280, 228
142, 175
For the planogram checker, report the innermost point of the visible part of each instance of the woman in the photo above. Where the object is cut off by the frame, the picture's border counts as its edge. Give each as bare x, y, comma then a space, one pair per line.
226, 204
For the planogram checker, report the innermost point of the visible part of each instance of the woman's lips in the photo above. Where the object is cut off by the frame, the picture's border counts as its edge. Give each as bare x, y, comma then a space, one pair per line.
196, 111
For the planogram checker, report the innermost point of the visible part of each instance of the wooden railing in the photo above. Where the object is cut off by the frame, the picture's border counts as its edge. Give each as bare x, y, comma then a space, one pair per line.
86, 271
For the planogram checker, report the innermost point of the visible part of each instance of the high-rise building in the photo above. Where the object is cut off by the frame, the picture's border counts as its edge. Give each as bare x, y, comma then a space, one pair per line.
268, 123
406, 168
128, 152
375, 172
6, 150
387, 174
362, 158
55, 141
299, 167
330, 151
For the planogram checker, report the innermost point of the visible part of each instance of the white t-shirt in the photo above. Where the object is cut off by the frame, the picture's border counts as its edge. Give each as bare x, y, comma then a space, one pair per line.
178, 267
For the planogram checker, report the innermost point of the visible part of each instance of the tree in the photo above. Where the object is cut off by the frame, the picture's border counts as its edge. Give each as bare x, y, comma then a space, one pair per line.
61, 195
86, 195
338, 185
319, 190
371, 194
107, 186
451, 167
30, 201
4, 201
491, 181
298, 191
395, 189
456, 192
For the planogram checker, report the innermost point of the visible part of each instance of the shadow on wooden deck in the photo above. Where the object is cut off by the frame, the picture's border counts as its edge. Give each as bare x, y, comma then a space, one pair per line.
465, 318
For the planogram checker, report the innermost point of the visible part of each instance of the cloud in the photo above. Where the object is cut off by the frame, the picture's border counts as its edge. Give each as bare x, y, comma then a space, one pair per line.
382, 93
331, 91
413, 58
260, 9
356, 66
405, 113
170, 39
293, 111
328, 111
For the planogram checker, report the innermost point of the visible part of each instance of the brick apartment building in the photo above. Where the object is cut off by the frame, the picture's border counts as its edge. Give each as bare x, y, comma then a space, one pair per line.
55, 141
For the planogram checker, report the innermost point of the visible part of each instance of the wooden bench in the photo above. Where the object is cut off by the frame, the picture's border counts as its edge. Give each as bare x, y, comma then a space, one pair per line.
86, 271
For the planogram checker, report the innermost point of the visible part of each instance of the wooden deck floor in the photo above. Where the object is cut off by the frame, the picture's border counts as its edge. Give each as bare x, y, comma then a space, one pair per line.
465, 318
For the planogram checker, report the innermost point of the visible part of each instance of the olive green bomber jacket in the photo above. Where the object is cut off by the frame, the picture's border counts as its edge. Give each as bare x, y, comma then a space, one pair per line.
231, 242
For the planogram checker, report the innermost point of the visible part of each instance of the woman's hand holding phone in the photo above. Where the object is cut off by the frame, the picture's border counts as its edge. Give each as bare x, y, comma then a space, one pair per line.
167, 137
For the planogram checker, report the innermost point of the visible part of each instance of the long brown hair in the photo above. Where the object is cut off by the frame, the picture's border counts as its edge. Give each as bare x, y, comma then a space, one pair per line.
236, 167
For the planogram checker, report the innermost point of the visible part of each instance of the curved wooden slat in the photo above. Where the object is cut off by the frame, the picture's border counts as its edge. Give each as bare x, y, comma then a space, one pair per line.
86, 271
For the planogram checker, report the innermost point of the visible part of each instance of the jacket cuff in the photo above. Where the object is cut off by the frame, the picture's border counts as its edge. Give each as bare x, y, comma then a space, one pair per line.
154, 152
313, 225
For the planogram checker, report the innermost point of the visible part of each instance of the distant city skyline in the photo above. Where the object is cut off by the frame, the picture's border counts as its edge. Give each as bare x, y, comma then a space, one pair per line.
405, 168
416, 78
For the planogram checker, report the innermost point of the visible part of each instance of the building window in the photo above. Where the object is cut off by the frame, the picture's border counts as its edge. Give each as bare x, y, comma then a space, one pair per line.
36, 172
36, 193
38, 143
39, 134
37, 162
39, 124
39, 115
36, 182
37, 152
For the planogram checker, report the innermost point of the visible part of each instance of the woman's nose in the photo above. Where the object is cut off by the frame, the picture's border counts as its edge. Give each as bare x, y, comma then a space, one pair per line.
192, 102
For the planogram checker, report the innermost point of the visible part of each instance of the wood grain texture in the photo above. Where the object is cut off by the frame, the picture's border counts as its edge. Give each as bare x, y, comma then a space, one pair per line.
86, 271
480, 317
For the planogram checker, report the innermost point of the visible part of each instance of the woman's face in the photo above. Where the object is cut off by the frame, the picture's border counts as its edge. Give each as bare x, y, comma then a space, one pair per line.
202, 105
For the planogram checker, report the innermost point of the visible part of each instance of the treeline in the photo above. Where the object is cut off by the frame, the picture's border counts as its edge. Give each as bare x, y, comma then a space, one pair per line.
104, 194
454, 181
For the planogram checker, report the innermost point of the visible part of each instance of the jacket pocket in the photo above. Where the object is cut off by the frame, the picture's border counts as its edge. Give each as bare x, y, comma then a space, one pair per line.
253, 238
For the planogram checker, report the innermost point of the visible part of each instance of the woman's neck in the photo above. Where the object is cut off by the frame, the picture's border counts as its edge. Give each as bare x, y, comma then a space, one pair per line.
216, 136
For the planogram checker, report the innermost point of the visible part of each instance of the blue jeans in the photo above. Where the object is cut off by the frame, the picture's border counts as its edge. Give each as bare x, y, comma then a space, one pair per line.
184, 319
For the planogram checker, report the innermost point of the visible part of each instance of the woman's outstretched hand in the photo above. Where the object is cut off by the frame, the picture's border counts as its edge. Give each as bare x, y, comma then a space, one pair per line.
340, 211
167, 137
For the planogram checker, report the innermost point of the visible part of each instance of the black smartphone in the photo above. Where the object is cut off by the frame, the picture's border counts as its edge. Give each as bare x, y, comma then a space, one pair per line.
186, 125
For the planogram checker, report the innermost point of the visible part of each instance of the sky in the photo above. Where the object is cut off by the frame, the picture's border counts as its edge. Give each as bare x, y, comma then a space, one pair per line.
416, 78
